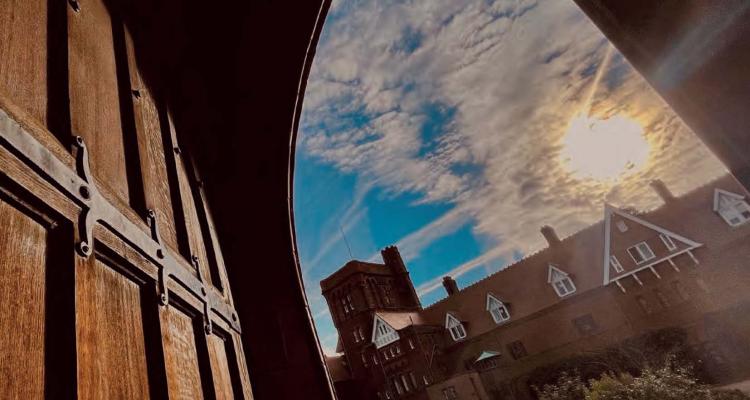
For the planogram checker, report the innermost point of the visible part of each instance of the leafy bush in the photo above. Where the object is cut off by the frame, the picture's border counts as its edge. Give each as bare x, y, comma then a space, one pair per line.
669, 382
629, 357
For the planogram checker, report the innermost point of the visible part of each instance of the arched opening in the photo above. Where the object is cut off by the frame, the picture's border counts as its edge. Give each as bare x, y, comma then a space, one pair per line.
456, 131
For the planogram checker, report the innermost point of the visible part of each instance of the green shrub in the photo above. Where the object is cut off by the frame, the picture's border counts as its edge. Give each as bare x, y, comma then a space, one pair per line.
668, 382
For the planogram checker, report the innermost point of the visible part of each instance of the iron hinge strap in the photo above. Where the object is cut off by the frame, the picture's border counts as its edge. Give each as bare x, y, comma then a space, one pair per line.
80, 186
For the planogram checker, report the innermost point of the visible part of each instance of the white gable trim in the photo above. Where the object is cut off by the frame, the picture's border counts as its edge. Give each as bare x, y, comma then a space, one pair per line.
554, 270
450, 318
609, 210
382, 339
490, 299
721, 192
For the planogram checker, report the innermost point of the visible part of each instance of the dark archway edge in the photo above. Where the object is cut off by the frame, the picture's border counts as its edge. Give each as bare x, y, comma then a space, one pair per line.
233, 75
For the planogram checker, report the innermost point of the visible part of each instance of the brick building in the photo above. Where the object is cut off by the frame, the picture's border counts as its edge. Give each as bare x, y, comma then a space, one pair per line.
681, 265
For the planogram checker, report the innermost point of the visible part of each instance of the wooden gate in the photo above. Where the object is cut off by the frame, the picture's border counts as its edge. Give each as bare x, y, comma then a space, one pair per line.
112, 283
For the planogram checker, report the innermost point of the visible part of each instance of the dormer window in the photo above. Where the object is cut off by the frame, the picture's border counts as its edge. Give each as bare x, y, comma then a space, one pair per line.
560, 281
497, 309
732, 207
455, 327
641, 252
668, 242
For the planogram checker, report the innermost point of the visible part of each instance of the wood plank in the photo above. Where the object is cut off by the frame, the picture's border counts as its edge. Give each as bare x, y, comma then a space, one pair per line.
180, 354
109, 325
151, 150
94, 95
220, 368
23, 55
23, 244
190, 212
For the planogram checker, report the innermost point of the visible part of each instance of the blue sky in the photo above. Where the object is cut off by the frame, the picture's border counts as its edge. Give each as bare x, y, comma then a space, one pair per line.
438, 125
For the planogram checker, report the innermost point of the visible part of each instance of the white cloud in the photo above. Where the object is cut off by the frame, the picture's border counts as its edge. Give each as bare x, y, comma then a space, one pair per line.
515, 72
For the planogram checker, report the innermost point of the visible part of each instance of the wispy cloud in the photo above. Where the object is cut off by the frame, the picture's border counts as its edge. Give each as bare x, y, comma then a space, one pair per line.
513, 73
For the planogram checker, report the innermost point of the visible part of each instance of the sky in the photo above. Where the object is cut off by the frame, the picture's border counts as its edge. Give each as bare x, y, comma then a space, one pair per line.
455, 129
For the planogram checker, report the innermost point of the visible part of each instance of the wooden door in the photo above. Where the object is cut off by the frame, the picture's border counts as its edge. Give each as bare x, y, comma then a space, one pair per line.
112, 283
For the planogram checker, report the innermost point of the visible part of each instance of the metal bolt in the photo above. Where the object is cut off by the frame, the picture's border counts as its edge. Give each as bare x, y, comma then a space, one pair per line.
84, 249
85, 192
79, 140
209, 330
163, 299
151, 213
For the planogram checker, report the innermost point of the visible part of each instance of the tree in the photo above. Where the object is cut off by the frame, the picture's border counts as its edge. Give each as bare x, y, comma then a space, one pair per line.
668, 382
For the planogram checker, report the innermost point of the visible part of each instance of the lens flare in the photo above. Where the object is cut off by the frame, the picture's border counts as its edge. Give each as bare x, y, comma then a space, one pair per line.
604, 149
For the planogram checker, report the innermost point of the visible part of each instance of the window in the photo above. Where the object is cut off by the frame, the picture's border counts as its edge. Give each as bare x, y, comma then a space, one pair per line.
517, 349
621, 226
356, 337
449, 393
585, 324
411, 344
680, 289
397, 385
406, 383
668, 242
564, 287
662, 298
398, 349
413, 380
560, 281
645, 306
615, 264
350, 302
425, 380
375, 359
455, 327
641, 253
497, 309
364, 360
732, 207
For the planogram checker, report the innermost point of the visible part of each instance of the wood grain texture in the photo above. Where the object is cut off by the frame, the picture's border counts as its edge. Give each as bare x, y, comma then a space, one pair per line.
109, 326
180, 355
220, 368
23, 245
151, 150
23, 55
94, 95
192, 221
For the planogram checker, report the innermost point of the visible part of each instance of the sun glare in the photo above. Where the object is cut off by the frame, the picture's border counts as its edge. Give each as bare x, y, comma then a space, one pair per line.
604, 149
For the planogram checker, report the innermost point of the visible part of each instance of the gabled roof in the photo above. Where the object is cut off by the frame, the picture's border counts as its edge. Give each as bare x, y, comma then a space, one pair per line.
609, 211
554, 273
451, 320
719, 193
486, 354
492, 298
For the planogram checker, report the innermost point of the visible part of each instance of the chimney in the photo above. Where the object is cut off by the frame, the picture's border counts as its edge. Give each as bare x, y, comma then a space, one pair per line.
450, 285
392, 258
662, 190
551, 236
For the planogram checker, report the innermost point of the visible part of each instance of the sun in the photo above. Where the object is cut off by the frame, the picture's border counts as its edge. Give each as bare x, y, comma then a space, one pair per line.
604, 149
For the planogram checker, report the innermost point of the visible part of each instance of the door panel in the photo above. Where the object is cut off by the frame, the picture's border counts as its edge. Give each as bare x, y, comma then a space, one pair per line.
111, 346
94, 95
23, 68
23, 245
180, 354
220, 368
